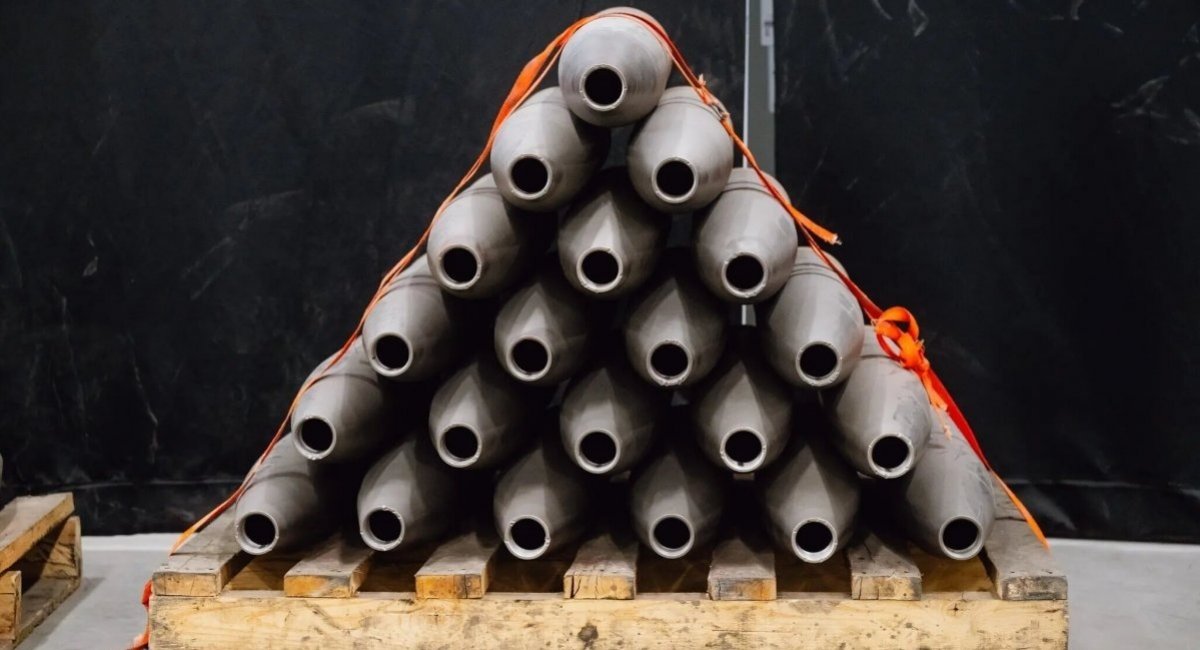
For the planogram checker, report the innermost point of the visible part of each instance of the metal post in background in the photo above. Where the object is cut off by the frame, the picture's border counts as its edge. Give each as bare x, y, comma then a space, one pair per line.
758, 99
758, 126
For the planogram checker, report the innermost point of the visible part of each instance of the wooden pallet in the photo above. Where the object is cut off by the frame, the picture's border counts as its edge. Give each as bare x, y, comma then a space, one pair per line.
470, 593
40, 562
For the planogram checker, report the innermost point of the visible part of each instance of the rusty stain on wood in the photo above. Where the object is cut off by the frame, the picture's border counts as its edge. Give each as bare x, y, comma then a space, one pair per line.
459, 569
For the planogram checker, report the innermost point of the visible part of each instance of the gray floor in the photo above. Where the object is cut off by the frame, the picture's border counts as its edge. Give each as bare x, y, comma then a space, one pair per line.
1123, 595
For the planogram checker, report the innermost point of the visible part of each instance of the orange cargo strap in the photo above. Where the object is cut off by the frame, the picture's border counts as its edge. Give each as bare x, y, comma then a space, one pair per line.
890, 324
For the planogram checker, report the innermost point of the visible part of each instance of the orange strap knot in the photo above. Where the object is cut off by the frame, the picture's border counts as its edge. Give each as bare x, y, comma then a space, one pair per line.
706, 96
899, 326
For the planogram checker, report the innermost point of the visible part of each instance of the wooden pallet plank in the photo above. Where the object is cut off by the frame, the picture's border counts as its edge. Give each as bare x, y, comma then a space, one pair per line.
38, 602
57, 555
395, 571
217, 538
195, 575
25, 521
460, 568
937, 621
1019, 566
1005, 508
10, 605
605, 567
743, 568
204, 564
880, 570
335, 569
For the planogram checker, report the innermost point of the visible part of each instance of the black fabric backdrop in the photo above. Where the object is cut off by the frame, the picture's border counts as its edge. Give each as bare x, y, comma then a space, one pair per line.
1025, 176
197, 199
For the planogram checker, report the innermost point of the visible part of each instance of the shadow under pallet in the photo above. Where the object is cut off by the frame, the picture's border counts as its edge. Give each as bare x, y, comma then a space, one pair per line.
607, 592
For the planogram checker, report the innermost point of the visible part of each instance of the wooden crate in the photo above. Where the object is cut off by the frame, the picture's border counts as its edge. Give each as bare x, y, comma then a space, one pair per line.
40, 562
470, 593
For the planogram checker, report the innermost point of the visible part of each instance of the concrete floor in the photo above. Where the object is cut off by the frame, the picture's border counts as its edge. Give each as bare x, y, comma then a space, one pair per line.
1123, 595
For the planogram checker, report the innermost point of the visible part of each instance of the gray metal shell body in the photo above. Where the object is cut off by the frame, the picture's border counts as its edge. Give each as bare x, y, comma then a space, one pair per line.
812, 330
542, 501
408, 496
340, 418
288, 503
811, 499
946, 502
676, 329
610, 240
742, 413
481, 245
745, 241
608, 418
680, 156
676, 500
543, 155
880, 414
410, 333
477, 417
541, 333
613, 70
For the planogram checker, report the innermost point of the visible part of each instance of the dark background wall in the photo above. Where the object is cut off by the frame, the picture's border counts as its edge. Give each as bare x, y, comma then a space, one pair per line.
196, 201
1026, 176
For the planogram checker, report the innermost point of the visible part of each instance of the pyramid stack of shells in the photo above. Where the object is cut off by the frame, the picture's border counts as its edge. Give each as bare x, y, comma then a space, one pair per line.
551, 355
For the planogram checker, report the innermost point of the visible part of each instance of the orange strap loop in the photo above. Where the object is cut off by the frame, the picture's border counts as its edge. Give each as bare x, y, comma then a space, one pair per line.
530, 77
899, 326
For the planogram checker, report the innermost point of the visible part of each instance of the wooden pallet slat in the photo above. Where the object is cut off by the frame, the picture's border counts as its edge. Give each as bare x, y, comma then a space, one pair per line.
550, 621
39, 601
204, 564
335, 569
1019, 566
57, 556
1005, 509
217, 538
10, 605
468, 591
880, 570
605, 568
40, 562
25, 521
743, 568
461, 568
